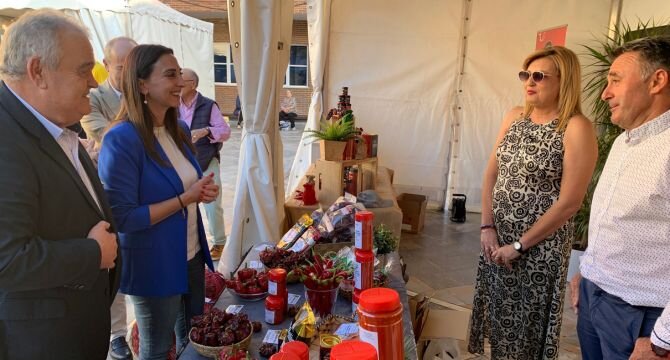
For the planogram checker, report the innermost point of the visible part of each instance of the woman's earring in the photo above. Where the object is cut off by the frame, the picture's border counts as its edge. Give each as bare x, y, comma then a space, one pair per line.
145, 99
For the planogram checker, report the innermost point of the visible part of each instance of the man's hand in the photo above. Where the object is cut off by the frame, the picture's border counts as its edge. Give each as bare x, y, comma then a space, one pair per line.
643, 350
107, 242
198, 134
574, 291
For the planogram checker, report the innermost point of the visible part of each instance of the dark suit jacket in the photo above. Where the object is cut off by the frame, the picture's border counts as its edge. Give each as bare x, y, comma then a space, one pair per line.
54, 299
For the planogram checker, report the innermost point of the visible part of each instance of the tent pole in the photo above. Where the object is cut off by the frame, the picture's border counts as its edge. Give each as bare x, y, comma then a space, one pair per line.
615, 17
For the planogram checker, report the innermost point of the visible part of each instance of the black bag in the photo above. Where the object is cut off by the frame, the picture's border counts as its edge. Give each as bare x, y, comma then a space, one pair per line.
458, 208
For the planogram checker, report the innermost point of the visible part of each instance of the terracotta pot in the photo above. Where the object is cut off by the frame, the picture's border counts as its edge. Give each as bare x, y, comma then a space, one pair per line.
332, 150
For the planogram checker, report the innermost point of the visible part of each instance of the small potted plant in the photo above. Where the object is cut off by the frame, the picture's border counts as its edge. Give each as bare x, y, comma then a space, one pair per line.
385, 242
333, 136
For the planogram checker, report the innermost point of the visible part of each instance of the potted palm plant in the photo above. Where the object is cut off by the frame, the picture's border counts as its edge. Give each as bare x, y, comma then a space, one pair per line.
333, 136
596, 81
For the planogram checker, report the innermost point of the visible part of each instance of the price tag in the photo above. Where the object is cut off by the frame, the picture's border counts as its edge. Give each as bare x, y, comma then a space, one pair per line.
234, 309
272, 337
293, 299
346, 330
255, 264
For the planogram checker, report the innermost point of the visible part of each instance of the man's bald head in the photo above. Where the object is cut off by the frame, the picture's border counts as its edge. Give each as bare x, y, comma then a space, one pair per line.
190, 84
116, 52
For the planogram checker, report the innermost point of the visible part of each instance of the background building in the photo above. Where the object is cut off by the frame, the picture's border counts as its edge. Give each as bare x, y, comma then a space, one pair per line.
297, 74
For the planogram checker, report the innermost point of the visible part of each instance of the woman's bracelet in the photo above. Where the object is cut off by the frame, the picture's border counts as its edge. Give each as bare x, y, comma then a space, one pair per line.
183, 208
487, 226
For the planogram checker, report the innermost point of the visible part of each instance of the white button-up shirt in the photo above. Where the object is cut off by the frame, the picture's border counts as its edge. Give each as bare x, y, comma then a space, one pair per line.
628, 254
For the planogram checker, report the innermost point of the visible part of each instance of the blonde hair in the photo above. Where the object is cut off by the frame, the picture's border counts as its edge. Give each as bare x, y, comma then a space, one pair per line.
570, 80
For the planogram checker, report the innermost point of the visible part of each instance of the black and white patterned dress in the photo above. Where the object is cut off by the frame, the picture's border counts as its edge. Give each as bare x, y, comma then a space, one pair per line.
520, 310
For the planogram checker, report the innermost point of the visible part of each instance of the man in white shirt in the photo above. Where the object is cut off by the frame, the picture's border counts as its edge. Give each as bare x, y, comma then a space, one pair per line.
105, 104
624, 296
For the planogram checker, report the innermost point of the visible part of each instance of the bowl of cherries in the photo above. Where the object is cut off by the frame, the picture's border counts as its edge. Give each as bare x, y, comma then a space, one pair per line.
249, 284
219, 331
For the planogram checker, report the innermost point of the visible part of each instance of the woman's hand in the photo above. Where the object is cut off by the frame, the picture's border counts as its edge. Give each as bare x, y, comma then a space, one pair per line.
193, 194
489, 242
209, 193
505, 256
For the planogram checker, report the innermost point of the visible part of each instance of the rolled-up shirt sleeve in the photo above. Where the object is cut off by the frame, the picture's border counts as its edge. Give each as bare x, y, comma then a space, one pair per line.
218, 126
661, 334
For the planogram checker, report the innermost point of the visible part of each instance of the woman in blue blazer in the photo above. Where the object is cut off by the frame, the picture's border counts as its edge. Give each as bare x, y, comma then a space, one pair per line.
154, 184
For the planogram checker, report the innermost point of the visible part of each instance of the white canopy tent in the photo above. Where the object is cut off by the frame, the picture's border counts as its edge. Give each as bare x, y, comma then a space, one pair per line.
260, 32
146, 21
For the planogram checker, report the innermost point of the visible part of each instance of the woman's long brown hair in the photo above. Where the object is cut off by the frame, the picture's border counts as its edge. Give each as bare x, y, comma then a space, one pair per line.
139, 65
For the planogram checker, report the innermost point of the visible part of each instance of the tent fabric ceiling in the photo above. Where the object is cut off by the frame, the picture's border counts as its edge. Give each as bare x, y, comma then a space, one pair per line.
146, 21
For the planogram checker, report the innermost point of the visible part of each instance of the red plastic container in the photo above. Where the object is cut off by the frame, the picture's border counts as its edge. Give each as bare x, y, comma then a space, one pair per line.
363, 230
297, 348
380, 322
277, 284
355, 298
275, 307
284, 356
353, 350
364, 268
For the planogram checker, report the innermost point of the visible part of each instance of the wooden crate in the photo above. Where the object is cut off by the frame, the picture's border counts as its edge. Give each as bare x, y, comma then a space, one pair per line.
330, 178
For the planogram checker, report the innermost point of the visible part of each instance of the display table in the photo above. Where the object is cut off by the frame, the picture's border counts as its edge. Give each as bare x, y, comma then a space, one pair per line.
256, 311
389, 216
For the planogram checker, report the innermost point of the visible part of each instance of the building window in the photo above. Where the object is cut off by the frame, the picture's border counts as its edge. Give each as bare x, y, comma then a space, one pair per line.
224, 70
296, 73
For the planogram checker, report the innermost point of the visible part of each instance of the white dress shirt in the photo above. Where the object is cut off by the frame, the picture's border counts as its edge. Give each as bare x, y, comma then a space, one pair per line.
68, 141
628, 254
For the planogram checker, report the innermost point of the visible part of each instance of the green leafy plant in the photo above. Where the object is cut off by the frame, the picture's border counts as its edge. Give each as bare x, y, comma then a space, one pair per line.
596, 81
384, 240
340, 130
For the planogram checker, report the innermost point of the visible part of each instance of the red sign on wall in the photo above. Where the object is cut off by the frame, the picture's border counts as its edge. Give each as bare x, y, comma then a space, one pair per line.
554, 36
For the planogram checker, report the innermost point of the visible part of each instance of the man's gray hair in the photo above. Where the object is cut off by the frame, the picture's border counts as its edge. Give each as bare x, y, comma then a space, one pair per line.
195, 75
111, 43
34, 34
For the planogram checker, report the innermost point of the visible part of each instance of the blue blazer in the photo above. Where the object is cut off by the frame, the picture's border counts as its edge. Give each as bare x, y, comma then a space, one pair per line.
154, 256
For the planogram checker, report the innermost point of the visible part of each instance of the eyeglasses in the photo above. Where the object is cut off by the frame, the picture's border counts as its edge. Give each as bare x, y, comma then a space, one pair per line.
537, 76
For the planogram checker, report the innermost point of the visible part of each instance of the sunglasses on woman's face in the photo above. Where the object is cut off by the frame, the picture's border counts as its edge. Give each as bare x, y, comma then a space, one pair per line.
537, 76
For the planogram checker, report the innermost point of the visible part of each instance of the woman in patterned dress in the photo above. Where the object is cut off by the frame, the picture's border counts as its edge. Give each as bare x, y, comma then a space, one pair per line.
533, 184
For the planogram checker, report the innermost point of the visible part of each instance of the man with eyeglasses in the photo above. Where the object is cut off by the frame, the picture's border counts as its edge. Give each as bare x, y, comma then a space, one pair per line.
623, 292
208, 131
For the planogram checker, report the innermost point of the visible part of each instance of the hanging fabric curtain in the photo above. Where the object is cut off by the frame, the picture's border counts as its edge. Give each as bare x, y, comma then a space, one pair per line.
318, 31
260, 32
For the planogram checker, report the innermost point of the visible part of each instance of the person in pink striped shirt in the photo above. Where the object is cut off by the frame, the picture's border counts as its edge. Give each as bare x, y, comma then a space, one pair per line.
208, 131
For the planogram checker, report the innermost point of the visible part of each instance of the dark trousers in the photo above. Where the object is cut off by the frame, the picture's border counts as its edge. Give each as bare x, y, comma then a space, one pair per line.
290, 117
607, 326
239, 119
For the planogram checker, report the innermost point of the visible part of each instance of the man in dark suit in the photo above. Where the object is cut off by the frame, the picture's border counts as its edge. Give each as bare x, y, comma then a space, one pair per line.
58, 252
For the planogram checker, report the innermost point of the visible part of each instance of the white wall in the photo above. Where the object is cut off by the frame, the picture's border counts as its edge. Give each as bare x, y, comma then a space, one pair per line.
657, 10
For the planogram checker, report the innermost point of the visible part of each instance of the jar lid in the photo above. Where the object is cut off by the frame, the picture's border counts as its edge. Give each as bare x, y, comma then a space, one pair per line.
284, 356
298, 348
353, 350
378, 300
274, 301
277, 274
363, 256
363, 215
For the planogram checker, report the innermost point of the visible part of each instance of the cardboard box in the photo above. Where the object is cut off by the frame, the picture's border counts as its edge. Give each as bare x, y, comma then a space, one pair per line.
438, 331
413, 208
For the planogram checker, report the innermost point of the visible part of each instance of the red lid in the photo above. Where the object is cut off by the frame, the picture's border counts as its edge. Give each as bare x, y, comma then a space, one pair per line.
363, 256
357, 296
284, 356
298, 348
364, 215
379, 300
277, 275
353, 350
274, 302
